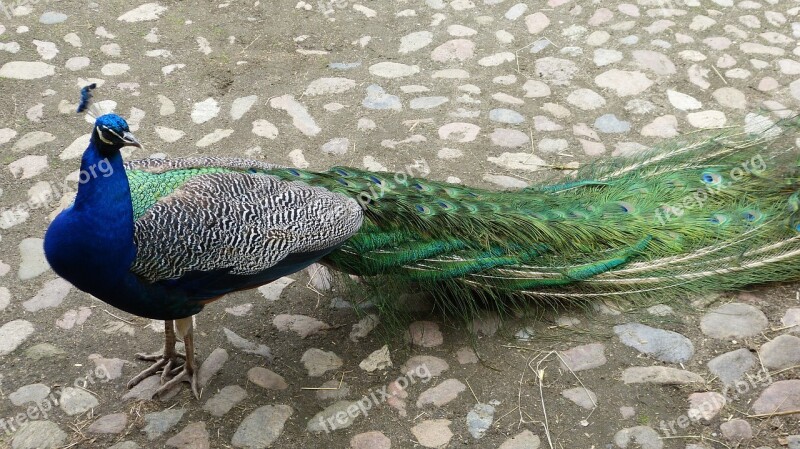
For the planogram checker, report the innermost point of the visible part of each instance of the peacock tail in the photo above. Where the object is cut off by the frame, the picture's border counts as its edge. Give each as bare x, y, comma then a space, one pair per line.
709, 211
706, 212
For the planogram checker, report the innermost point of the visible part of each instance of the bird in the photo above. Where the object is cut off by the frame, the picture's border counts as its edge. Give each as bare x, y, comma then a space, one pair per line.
162, 238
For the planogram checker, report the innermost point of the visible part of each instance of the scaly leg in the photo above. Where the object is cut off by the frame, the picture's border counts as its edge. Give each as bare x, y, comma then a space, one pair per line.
189, 371
166, 361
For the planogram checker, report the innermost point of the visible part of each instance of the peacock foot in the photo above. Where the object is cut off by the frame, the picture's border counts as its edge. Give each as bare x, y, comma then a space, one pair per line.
187, 374
168, 362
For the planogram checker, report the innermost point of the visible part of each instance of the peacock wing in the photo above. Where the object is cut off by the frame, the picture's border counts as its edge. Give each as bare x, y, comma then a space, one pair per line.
244, 224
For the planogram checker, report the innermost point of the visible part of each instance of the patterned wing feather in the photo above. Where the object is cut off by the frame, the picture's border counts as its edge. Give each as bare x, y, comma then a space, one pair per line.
238, 223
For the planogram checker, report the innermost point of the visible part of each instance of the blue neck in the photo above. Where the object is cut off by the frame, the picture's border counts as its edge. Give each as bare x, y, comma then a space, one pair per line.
91, 244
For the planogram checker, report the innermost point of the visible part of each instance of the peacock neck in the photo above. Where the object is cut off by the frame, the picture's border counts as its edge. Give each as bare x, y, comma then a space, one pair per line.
91, 244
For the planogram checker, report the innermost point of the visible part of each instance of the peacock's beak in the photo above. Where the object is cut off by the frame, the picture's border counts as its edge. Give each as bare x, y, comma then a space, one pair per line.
129, 140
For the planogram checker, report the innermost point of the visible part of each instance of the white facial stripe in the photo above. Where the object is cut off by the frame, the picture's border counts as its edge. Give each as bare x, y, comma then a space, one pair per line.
113, 132
102, 137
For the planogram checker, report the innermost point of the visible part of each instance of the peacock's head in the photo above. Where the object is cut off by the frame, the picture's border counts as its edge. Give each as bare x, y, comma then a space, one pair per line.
111, 133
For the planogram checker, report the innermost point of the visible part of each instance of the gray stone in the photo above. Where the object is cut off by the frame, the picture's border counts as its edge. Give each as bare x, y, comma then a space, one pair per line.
737, 430
581, 396
318, 362
433, 433
791, 319
114, 423
29, 393
502, 115
486, 324
52, 17
211, 366
339, 415
664, 345
793, 442
425, 334
333, 390
52, 294
479, 419
370, 440
39, 435
733, 320
643, 437
125, 445
337, 146
781, 396
377, 98
584, 357
523, 440
556, 71
705, 405
158, 423
144, 390
265, 378
13, 334
43, 351
262, 427
31, 250
427, 102
781, 352
300, 324
441, 394
425, 364
661, 375
193, 436
26, 70
222, 402
377, 360
660, 310
609, 123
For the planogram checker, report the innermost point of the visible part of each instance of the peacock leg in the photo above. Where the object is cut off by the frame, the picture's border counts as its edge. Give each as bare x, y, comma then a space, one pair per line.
189, 371
166, 361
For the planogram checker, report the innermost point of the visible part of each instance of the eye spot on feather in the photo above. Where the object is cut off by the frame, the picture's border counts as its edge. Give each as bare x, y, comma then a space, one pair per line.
376, 180
341, 172
625, 207
422, 209
718, 219
293, 172
711, 178
752, 216
342, 182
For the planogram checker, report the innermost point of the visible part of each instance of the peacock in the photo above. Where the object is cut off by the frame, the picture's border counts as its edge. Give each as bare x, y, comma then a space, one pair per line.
161, 238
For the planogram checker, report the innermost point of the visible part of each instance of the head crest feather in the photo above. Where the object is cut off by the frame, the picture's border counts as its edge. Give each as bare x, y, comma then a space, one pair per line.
86, 104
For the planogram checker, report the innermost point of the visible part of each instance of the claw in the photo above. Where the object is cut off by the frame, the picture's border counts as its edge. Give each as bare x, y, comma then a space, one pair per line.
174, 366
186, 375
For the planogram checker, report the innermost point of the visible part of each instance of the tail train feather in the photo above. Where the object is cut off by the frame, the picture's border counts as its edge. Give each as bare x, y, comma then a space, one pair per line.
708, 211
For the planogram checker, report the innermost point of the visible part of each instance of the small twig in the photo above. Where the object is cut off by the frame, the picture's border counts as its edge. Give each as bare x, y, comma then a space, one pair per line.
719, 74
472, 391
251, 43
119, 318
770, 415
699, 437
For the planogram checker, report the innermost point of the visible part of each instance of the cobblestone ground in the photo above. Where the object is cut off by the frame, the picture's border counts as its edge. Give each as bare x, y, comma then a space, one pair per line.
491, 93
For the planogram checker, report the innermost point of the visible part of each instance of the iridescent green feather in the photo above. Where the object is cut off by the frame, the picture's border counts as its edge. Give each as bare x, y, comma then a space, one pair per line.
707, 211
